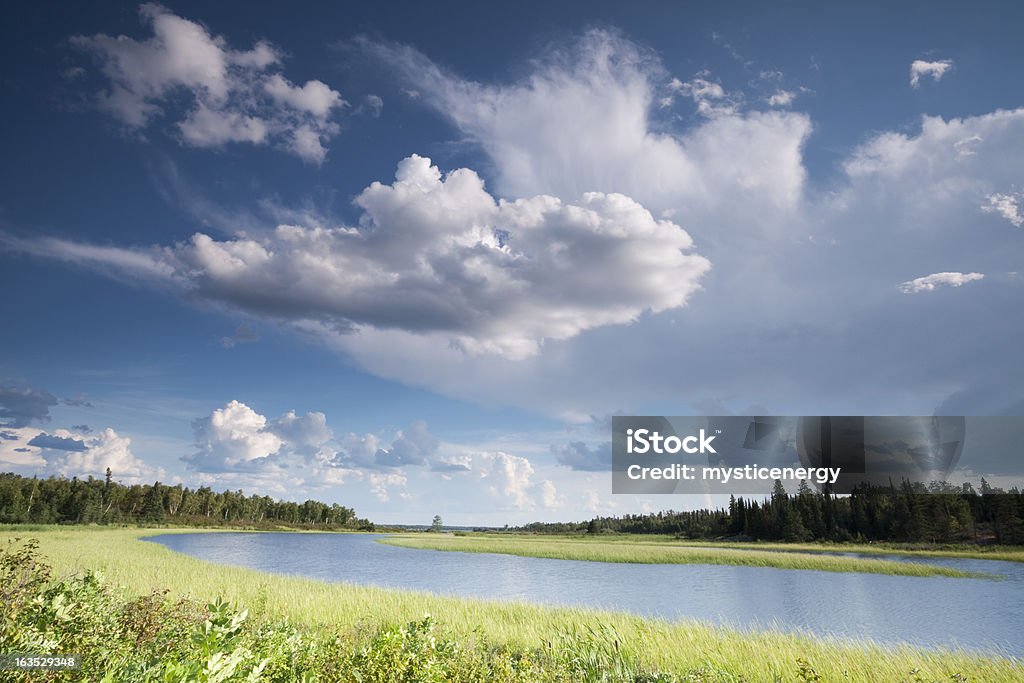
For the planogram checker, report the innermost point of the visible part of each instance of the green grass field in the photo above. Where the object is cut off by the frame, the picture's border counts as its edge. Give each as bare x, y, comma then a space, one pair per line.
677, 647
976, 552
631, 550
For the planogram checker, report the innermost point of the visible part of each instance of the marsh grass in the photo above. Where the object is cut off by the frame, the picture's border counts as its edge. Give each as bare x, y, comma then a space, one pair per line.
699, 651
1002, 553
666, 553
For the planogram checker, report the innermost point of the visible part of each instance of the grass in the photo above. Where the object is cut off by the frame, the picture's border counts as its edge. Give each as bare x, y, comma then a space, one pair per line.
1003, 553
632, 551
678, 647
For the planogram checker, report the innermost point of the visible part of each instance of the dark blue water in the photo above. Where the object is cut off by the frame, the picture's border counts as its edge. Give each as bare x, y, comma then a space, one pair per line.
981, 614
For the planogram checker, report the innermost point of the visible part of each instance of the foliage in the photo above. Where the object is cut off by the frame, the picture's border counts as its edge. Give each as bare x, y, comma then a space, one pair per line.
940, 513
56, 500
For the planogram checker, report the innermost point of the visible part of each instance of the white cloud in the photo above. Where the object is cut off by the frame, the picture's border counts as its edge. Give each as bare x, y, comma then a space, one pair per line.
382, 484
920, 68
235, 439
581, 121
907, 201
14, 449
232, 436
314, 97
104, 449
507, 478
205, 127
439, 255
931, 282
709, 96
782, 98
776, 304
75, 453
233, 95
1009, 206
549, 495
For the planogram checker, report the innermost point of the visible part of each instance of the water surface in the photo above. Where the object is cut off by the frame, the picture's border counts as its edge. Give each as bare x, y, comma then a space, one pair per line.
982, 614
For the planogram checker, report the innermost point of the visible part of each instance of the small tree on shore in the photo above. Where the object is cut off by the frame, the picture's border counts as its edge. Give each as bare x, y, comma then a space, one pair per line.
437, 524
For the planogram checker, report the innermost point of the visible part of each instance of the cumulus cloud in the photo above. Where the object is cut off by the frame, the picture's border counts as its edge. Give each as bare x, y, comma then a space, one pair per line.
237, 439
920, 68
807, 277
74, 453
103, 450
438, 254
929, 283
21, 405
804, 275
234, 437
1009, 206
507, 478
234, 95
582, 121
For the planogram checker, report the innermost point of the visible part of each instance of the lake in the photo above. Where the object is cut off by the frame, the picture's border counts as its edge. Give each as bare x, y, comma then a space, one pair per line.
982, 614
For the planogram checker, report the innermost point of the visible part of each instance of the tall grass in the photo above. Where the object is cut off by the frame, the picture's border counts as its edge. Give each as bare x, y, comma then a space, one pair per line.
1004, 553
728, 655
638, 553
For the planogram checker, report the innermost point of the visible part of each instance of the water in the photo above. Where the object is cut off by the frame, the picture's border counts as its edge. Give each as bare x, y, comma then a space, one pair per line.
981, 614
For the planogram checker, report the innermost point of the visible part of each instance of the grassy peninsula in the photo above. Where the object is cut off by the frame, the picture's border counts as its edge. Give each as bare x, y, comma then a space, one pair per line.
634, 550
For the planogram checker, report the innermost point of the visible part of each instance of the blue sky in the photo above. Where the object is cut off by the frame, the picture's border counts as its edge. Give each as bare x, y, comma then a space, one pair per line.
412, 258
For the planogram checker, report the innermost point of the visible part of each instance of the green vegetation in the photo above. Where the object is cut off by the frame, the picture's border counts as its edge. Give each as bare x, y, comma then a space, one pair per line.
56, 500
977, 552
138, 612
938, 514
953, 550
600, 550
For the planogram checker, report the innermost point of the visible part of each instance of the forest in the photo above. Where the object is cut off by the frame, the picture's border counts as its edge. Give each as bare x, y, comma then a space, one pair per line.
939, 513
57, 500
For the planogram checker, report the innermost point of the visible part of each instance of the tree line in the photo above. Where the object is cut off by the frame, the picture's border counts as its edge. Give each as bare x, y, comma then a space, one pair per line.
57, 500
939, 513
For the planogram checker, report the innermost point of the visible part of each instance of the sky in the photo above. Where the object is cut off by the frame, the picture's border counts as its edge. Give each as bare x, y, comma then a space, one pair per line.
412, 258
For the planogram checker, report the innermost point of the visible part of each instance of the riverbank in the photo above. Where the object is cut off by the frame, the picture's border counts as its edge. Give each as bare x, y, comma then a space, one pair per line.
630, 550
723, 654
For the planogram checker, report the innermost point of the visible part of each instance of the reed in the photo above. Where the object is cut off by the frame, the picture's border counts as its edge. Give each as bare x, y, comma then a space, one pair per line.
666, 553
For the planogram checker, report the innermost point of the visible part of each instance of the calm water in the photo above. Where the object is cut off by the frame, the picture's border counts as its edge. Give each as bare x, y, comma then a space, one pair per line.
974, 613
